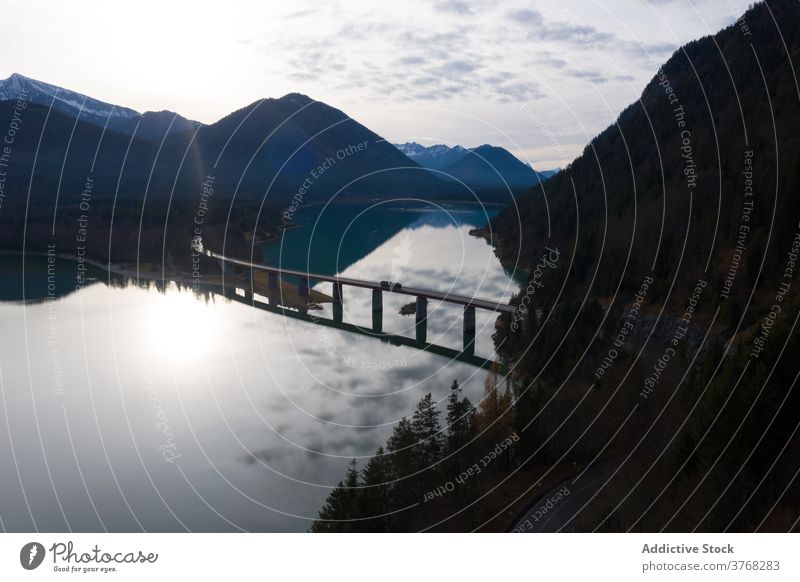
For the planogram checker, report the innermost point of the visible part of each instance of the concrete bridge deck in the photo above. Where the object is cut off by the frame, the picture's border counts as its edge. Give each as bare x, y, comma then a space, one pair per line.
304, 278
375, 285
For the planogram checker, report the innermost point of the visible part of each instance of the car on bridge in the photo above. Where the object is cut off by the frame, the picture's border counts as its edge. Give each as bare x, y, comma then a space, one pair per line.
391, 286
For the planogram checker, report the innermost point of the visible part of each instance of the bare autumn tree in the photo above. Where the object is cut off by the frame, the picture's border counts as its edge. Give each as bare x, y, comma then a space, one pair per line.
494, 416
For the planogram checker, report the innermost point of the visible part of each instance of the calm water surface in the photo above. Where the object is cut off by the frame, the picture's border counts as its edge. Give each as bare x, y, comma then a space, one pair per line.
128, 409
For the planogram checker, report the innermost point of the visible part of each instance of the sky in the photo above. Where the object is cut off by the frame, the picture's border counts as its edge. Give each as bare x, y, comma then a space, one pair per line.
539, 77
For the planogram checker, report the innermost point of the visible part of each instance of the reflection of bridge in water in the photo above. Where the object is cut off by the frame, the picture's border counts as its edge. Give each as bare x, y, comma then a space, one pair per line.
470, 304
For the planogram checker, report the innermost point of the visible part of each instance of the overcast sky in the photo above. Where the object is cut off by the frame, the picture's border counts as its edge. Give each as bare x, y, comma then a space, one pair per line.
539, 77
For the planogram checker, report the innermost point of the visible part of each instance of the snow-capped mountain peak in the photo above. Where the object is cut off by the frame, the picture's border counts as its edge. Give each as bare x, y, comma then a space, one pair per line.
411, 149
483, 166
86, 108
18, 86
432, 157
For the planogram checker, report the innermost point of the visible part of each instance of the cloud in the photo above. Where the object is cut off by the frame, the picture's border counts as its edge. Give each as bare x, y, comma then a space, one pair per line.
458, 58
525, 16
457, 67
547, 59
487, 58
578, 35
457, 6
411, 60
591, 76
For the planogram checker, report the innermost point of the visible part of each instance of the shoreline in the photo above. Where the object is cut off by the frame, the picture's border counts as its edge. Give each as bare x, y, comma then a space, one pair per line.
287, 293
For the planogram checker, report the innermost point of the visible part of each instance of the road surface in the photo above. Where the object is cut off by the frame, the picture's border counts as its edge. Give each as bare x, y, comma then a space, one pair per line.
551, 510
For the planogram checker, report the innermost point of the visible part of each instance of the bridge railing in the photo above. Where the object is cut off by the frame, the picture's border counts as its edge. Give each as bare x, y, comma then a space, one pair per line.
470, 304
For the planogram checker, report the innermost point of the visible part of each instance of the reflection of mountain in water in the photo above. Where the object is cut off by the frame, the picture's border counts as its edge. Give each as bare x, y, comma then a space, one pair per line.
442, 218
328, 242
333, 238
39, 278
32, 279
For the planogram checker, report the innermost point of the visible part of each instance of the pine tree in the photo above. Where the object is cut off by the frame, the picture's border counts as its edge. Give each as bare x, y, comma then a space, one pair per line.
459, 419
460, 425
342, 506
401, 446
405, 466
331, 512
352, 477
425, 424
376, 500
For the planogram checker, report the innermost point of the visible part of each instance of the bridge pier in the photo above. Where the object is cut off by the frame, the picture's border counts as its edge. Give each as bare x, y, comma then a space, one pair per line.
422, 318
469, 329
245, 270
377, 310
225, 267
337, 293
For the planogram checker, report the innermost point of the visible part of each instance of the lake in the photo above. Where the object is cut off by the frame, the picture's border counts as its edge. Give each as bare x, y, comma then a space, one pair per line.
127, 408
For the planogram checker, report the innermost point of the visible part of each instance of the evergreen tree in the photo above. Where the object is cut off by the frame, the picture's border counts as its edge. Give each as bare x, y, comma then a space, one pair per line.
460, 424
401, 447
376, 500
404, 463
342, 506
428, 432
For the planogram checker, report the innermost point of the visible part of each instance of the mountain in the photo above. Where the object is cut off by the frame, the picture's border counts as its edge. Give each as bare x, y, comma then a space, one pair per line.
65, 101
669, 320
484, 167
547, 174
294, 143
492, 166
292, 149
242, 176
154, 125
435, 157
668, 175
151, 125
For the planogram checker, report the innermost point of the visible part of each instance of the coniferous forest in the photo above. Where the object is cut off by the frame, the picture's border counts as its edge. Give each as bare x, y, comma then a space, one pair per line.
663, 343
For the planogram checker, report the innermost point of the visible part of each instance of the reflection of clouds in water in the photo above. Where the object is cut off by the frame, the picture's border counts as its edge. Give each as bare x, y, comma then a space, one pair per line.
451, 260
390, 395
351, 444
242, 414
270, 456
402, 255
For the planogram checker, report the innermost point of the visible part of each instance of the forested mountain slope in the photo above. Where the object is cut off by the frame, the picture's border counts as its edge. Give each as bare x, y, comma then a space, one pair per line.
663, 340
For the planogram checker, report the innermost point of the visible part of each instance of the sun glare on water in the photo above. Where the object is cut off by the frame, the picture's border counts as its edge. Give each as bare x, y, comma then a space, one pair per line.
182, 327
